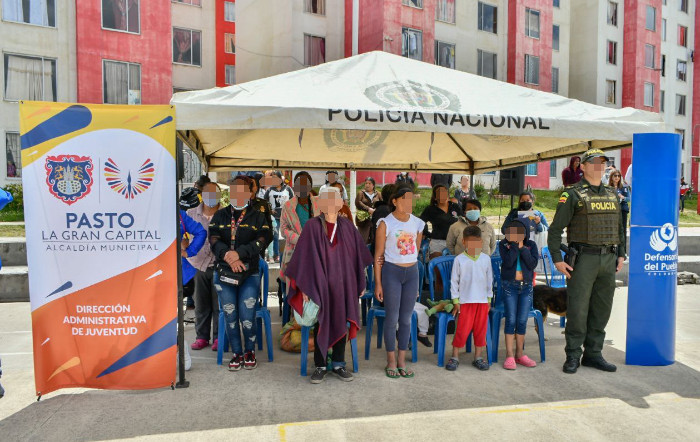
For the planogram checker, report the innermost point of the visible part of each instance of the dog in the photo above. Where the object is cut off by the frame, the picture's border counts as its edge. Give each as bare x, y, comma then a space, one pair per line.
547, 299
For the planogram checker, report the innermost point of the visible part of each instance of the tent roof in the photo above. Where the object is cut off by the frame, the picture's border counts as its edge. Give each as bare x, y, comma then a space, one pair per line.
379, 111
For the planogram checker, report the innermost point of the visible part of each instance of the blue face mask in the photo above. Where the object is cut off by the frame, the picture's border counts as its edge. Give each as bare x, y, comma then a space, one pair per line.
473, 215
210, 202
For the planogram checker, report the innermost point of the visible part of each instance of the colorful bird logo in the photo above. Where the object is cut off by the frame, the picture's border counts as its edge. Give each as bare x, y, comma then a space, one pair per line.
127, 185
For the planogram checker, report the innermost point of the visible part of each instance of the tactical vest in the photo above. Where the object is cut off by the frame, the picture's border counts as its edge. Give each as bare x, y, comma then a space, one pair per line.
596, 219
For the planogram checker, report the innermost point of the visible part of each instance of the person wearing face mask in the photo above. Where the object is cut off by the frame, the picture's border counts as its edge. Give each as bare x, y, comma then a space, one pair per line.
238, 234
206, 301
538, 222
591, 213
472, 218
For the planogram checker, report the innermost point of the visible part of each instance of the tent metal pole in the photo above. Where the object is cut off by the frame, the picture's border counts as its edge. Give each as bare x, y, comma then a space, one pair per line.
182, 382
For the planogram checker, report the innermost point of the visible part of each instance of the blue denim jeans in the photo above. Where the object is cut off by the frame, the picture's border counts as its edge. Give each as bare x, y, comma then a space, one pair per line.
238, 304
517, 300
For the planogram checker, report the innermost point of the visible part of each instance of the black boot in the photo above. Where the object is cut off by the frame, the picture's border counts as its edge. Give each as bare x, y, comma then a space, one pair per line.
599, 363
571, 364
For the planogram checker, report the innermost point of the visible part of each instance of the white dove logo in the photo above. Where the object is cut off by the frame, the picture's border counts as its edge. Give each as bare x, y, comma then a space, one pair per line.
664, 237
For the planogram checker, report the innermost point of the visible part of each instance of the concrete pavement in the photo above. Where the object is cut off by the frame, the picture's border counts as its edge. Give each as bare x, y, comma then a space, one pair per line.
274, 403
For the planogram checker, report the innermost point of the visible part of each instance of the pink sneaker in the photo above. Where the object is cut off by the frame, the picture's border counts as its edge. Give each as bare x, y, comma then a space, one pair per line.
527, 362
199, 344
509, 364
215, 345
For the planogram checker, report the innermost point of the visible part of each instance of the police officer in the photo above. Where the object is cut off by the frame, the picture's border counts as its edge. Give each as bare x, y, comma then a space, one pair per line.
590, 211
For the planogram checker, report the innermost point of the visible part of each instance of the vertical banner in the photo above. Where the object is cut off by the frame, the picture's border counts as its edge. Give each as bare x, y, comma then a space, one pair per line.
99, 187
653, 265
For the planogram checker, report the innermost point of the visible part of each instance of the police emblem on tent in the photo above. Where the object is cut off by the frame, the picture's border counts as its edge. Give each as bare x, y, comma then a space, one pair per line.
412, 95
69, 177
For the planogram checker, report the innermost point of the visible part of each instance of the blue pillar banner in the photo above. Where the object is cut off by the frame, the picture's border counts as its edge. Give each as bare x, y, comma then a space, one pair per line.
653, 254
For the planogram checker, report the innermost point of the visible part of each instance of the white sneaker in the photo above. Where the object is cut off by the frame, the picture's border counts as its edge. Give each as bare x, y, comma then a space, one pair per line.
188, 358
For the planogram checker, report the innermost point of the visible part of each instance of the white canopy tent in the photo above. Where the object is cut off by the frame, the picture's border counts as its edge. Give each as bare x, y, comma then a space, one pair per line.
379, 111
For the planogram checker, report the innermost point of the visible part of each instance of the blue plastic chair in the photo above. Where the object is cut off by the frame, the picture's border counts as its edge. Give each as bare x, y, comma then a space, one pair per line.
262, 315
286, 309
497, 312
557, 279
305, 350
368, 295
378, 312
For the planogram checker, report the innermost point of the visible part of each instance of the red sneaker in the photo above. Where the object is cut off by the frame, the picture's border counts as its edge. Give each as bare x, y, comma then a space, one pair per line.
249, 361
235, 362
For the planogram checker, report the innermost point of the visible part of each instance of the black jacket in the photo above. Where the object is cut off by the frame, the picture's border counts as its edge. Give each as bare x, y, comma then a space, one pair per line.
510, 253
440, 220
253, 236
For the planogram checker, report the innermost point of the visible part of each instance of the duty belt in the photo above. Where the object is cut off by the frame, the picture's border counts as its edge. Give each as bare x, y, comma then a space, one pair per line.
595, 250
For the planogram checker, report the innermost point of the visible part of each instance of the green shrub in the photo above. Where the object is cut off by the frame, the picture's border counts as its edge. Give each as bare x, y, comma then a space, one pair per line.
15, 210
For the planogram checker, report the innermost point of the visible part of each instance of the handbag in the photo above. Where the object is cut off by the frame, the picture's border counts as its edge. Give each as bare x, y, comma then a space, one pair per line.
309, 314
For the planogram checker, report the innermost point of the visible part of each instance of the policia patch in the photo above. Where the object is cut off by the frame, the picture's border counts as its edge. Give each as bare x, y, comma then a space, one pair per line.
564, 196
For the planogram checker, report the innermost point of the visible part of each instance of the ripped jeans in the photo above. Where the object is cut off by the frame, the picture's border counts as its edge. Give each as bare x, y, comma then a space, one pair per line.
238, 305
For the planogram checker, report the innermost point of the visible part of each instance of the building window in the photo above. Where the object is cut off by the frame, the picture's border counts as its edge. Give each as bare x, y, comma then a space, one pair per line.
189, 2
651, 18
445, 11
488, 18
230, 43
680, 104
612, 52
649, 56
662, 101
34, 12
683, 36
315, 6
445, 54
412, 43
649, 94
612, 13
229, 11
555, 80
414, 3
486, 66
121, 15
683, 5
663, 65
555, 3
314, 50
681, 132
681, 69
122, 82
531, 169
553, 169
555, 37
13, 155
663, 29
532, 69
230, 74
610, 91
187, 47
29, 78
532, 23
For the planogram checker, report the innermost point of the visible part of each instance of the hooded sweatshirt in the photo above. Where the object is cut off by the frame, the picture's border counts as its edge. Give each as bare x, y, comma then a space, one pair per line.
571, 176
510, 253
456, 233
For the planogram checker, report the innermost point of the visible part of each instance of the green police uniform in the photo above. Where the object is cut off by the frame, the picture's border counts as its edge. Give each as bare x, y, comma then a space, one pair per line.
593, 220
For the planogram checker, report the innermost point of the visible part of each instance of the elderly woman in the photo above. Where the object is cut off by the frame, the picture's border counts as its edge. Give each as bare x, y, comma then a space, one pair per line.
238, 234
328, 268
365, 202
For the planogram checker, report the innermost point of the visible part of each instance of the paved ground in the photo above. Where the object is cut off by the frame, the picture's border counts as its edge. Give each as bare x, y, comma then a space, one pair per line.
275, 403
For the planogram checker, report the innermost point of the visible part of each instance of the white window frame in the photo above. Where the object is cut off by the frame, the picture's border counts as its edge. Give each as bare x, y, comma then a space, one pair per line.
127, 20
55, 18
614, 52
129, 64
311, 36
38, 57
555, 75
226, 34
19, 157
529, 13
445, 20
653, 56
646, 18
527, 169
681, 100
530, 58
480, 15
682, 28
683, 6
480, 53
226, 74
309, 11
409, 30
558, 28
188, 2
681, 132
684, 76
172, 48
662, 101
556, 3
410, 3
663, 29
612, 19
608, 83
646, 103
227, 4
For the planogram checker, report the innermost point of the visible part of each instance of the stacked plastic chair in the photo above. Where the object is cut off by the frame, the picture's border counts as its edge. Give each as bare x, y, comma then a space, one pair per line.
553, 277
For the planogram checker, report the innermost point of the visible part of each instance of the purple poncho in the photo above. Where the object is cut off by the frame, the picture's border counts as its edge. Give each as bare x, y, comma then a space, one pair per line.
331, 276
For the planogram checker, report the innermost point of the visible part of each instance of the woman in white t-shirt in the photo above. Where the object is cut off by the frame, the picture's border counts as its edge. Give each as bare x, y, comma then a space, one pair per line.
398, 241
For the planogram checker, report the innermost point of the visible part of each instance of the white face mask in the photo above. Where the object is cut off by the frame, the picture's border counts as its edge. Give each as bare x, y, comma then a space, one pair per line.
239, 208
